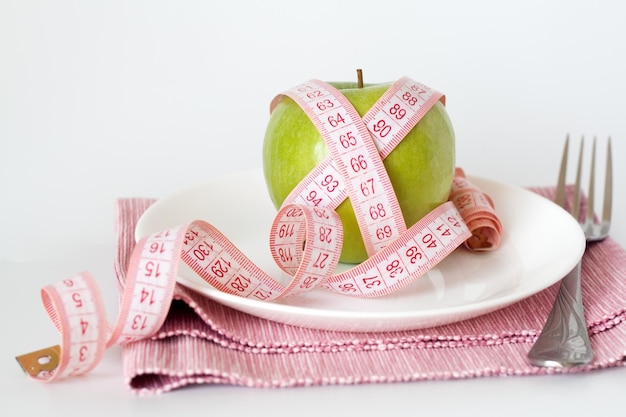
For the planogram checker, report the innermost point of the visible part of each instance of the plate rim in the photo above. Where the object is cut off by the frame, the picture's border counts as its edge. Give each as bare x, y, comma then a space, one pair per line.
300, 313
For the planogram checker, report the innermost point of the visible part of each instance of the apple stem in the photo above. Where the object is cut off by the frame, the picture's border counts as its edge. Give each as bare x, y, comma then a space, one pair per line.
359, 77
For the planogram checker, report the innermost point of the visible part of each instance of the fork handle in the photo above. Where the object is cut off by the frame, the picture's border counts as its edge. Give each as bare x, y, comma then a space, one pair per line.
564, 340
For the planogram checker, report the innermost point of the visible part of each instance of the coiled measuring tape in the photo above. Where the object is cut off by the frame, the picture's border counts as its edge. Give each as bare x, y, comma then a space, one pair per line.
305, 241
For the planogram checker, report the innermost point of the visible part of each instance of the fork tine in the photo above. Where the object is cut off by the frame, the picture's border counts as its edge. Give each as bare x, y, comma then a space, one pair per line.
560, 186
608, 188
589, 218
576, 200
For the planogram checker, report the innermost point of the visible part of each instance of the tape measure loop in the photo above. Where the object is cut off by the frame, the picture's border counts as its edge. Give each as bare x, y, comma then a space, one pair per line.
75, 307
320, 245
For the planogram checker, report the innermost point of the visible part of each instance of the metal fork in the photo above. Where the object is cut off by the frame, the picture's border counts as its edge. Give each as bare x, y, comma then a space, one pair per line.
564, 340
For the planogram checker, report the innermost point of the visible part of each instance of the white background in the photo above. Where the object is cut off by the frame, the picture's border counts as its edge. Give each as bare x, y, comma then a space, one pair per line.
101, 100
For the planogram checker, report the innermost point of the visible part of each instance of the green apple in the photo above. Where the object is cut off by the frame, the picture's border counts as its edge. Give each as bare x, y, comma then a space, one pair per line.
421, 167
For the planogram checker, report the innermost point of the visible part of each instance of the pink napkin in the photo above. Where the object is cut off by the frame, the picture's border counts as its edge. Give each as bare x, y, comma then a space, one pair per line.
203, 342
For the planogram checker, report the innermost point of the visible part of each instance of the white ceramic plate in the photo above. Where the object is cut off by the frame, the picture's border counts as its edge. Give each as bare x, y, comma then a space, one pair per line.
540, 244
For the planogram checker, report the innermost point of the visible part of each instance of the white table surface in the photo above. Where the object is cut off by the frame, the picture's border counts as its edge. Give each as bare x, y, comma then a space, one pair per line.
100, 100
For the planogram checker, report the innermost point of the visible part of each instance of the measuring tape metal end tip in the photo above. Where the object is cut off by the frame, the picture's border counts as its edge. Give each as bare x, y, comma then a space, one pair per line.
42, 360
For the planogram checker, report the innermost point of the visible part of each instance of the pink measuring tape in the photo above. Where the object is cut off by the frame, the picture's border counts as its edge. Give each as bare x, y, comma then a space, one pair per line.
305, 240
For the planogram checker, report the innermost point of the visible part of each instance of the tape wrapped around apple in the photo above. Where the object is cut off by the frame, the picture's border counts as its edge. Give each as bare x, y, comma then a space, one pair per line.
421, 167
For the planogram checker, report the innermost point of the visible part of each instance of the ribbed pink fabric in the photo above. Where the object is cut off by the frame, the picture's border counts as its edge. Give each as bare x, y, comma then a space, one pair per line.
203, 342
